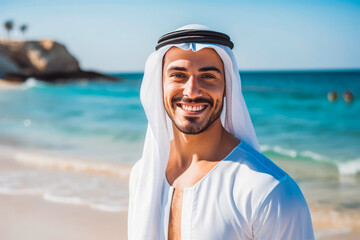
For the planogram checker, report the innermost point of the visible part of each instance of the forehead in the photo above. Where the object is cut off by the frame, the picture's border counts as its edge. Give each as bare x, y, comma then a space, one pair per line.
204, 57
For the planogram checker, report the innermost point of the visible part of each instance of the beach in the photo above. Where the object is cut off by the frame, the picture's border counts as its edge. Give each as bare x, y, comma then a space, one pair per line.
66, 151
31, 217
72, 121
4, 85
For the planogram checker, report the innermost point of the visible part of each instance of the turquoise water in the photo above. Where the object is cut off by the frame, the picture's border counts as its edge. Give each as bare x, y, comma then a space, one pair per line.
293, 117
105, 121
76, 142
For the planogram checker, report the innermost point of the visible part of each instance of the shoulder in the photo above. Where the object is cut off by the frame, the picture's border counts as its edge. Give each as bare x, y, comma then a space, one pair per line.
256, 162
249, 166
268, 196
256, 178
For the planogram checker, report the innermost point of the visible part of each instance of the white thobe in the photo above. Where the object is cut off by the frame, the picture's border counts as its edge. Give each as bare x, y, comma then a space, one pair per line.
245, 196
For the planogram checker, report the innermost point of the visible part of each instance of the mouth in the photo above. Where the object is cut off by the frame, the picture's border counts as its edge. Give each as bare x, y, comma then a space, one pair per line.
192, 108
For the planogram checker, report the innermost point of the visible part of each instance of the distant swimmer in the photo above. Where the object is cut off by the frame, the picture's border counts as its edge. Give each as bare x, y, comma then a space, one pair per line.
332, 96
348, 96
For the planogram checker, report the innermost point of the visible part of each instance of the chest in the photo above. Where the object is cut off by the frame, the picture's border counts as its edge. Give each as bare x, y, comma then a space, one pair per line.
183, 180
203, 211
174, 232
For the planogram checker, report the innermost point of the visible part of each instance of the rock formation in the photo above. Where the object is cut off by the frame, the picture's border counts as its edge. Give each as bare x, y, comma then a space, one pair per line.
45, 60
8, 66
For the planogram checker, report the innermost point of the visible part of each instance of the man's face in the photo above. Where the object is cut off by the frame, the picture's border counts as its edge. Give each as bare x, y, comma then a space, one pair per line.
193, 88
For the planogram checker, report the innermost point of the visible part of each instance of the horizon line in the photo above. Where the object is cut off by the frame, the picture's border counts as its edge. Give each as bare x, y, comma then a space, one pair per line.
320, 70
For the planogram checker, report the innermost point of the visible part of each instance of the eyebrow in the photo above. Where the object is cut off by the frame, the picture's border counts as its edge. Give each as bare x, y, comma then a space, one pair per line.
177, 69
203, 69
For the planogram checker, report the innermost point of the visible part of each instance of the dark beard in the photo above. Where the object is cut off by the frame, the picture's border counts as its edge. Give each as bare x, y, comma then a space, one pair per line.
194, 130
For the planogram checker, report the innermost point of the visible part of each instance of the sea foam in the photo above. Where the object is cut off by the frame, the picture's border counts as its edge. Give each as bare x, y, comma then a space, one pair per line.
350, 167
100, 192
71, 164
79, 201
280, 150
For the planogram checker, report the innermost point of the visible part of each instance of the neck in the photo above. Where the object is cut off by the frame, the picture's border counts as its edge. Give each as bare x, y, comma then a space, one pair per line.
208, 145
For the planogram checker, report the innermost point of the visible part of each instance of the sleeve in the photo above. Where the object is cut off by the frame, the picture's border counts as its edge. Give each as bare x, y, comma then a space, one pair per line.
283, 215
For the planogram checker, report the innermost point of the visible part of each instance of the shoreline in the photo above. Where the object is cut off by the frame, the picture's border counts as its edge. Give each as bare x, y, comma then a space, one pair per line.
31, 213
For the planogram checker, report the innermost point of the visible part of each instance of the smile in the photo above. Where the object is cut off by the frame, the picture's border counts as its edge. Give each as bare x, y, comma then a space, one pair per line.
192, 108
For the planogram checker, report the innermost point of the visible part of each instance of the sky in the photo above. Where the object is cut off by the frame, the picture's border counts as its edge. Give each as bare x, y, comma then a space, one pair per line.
118, 36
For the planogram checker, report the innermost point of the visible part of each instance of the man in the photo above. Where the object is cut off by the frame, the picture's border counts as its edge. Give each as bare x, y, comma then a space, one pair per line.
201, 175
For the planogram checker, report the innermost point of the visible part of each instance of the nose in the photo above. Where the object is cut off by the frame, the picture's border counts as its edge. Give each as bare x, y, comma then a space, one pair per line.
192, 88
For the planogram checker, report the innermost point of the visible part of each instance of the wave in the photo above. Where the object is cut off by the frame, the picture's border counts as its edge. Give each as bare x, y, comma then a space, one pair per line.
290, 152
29, 83
98, 192
70, 164
79, 201
349, 167
33, 83
67, 199
312, 155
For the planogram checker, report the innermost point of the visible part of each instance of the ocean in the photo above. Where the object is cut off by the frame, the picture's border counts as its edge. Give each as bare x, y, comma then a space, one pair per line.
78, 141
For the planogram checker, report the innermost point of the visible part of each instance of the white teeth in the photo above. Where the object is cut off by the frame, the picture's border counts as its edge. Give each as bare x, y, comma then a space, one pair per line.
192, 108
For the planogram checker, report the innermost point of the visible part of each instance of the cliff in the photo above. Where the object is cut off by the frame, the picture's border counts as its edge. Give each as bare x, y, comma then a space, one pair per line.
45, 60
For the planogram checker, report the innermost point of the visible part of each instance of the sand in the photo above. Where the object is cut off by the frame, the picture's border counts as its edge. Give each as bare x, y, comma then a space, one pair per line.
5, 85
32, 218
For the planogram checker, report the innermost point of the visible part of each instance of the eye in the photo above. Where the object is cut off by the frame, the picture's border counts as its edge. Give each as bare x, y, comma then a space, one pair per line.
178, 75
208, 76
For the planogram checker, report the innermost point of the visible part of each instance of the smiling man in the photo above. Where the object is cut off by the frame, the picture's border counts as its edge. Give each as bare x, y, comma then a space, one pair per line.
201, 175
194, 88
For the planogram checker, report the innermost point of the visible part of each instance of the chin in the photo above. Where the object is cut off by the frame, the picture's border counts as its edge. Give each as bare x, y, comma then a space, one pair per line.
191, 129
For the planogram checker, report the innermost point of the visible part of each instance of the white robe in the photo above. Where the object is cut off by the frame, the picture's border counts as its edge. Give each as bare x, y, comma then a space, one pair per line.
148, 174
245, 196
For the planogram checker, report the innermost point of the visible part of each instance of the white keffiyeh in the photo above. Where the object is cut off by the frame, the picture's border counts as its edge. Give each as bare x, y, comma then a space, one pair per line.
147, 175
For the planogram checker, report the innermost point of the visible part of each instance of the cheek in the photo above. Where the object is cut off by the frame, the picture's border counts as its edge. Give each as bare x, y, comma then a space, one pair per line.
169, 92
217, 93
218, 98
216, 88
166, 90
